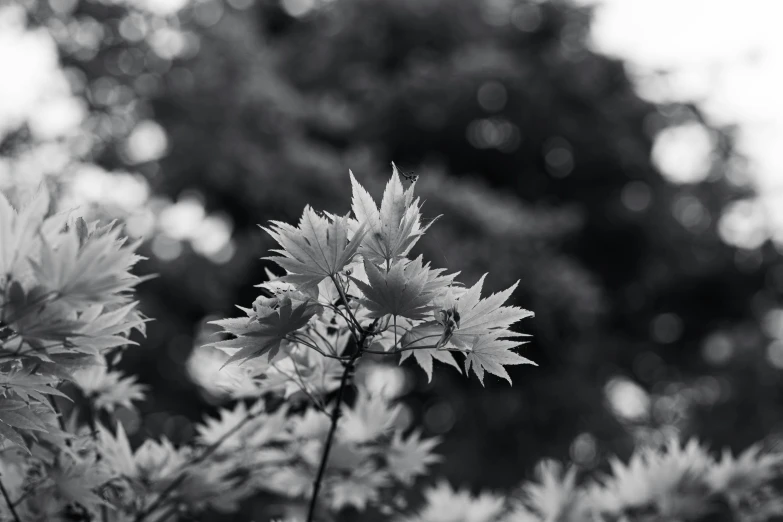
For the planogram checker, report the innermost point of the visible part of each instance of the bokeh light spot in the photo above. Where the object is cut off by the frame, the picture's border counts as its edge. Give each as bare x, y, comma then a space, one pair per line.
440, 417
492, 96
684, 153
558, 157
775, 354
147, 142
717, 348
182, 219
526, 17
691, 213
666, 328
297, 8
166, 248
743, 224
240, 4
627, 399
385, 380
636, 196
584, 450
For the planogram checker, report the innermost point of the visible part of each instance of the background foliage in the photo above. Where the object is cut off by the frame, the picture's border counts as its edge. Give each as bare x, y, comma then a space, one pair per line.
535, 149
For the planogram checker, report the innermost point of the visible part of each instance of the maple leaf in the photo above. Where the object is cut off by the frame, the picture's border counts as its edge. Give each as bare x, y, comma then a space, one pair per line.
422, 342
27, 385
747, 471
108, 389
490, 353
554, 495
77, 479
204, 368
370, 417
317, 249
485, 316
20, 385
264, 335
158, 461
672, 482
425, 356
443, 503
87, 270
117, 450
103, 327
406, 289
395, 228
359, 488
18, 230
305, 371
17, 417
256, 432
52, 323
409, 458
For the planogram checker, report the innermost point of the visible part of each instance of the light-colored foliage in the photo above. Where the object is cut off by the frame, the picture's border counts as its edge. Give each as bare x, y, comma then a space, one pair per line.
349, 290
666, 484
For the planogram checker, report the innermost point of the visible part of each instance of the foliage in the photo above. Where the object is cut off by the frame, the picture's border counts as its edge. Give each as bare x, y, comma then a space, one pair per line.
349, 294
667, 483
67, 311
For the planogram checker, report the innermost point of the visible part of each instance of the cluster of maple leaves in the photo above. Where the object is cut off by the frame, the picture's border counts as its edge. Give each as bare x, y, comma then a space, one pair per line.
349, 289
352, 275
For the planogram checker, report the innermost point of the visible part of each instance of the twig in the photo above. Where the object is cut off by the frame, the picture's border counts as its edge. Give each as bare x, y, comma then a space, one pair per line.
8, 501
365, 333
327, 446
92, 412
292, 338
407, 347
326, 341
30, 489
303, 387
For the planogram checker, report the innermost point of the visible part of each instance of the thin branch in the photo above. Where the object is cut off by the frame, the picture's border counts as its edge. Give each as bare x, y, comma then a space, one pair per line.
325, 340
8, 501
302, 386
395, 331
406, 347
337, 310
316, 348
328, 444
92, 413
30, 489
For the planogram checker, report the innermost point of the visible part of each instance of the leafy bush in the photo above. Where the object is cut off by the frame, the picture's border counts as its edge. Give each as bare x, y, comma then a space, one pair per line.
307, 426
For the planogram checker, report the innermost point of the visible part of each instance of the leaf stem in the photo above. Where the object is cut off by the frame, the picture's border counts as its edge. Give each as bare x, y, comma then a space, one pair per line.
8, 501
395, 332
344, 298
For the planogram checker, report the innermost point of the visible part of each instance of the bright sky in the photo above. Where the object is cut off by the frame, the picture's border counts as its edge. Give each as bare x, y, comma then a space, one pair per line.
726, 55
